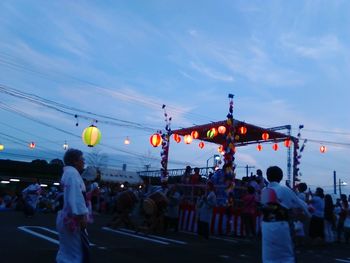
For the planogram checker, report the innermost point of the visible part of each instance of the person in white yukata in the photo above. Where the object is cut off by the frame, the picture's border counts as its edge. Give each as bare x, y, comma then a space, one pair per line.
73, 218
31, 196
278, 201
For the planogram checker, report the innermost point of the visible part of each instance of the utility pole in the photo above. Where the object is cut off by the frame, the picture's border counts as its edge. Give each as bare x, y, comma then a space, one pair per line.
247, 167
339, 187
335, 182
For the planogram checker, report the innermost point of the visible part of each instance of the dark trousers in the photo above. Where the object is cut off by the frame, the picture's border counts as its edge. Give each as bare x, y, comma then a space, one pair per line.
171, 222
248, 223
203, 229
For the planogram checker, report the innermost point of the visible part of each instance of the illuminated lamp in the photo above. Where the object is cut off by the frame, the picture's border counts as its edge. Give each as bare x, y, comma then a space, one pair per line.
243, 130
2, 147
194, 134
32, 145
201, 145
275, 146
155, 140
65, 146
188, 139
259, 147
212, 133
127, 140
91, 136
287, 142
176, 138
222, 129
265, 136
220, 149
323, 149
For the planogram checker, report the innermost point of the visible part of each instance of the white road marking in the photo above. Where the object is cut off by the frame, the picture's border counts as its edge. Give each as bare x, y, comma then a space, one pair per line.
25, 228
136, 236
157, 237
223, 239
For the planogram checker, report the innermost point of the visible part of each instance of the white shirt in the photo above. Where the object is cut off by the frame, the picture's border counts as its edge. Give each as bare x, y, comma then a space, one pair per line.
287, 198
73, 185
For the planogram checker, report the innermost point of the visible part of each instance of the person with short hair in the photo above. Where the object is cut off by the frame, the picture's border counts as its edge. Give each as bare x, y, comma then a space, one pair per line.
277, 201
72, 219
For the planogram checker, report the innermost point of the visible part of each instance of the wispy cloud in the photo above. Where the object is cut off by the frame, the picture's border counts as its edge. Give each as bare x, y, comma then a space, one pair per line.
211, 73
313, 47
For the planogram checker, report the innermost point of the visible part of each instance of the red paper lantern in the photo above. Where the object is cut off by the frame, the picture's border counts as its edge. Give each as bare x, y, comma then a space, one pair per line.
188, 139
156, 140
275, 146
323, 149
222, 129
265, 136
287, 142
201, 145
32, 145
259, 147
194, 134
243, 130
177, 138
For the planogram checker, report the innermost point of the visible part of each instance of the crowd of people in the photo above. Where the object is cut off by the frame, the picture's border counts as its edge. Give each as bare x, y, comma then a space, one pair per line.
298, 215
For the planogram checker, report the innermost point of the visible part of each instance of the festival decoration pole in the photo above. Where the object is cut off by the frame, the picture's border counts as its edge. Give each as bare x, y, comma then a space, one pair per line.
297, 156
165, 147
229, 166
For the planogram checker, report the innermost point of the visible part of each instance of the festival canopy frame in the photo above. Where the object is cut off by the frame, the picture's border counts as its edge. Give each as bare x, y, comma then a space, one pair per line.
252, 136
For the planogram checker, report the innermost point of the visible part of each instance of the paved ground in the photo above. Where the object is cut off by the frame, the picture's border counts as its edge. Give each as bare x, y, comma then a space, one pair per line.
35, 240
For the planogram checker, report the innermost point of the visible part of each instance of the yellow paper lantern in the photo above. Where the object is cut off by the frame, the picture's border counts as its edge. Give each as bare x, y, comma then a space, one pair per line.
156, 140
91, 136
188, 139
2, 147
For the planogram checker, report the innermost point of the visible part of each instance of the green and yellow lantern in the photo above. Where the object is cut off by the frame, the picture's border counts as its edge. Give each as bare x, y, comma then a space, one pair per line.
91, 136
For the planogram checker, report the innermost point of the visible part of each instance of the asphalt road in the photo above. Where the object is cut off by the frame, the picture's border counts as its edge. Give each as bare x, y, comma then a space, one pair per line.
35, 240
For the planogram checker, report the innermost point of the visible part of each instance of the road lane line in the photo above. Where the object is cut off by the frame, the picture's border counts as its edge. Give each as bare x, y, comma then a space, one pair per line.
223, 239
137, 236
155, 236
23, 228
46, 229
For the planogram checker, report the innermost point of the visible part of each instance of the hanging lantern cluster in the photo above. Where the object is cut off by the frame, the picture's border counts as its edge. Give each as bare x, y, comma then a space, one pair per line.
156, 140
165, 147
229, 145
297, 154
91, 136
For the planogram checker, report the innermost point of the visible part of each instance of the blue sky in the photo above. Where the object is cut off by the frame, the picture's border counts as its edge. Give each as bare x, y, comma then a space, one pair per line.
286, 63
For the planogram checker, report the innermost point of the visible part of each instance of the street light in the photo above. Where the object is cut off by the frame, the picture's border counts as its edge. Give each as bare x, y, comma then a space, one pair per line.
341, 183
216, 158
